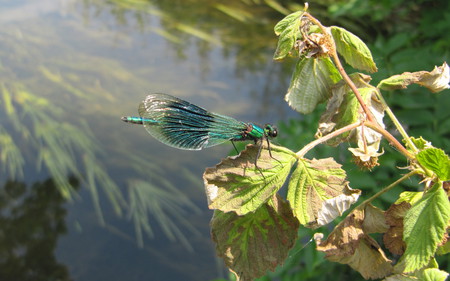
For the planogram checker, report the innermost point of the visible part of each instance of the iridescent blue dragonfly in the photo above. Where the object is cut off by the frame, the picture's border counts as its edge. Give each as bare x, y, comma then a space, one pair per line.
183, 125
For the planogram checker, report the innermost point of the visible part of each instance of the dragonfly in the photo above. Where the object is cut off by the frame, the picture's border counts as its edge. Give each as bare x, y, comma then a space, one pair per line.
180, 124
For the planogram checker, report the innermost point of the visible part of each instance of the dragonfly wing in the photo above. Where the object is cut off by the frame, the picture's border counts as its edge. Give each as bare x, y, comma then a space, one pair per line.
180, 124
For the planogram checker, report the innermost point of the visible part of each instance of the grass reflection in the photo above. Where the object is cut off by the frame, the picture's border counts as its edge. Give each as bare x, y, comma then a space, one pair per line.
12, 159
71, 149
146, 198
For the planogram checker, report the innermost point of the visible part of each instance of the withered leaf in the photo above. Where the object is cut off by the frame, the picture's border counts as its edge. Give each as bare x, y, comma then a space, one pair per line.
344, 109
393, 238
374, 220
256, 242
349, 244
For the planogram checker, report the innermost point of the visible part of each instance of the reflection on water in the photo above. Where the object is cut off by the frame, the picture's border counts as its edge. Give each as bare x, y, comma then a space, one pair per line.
32, 220
70, 70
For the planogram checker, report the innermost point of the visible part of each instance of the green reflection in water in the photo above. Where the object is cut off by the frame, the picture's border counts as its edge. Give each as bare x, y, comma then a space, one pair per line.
47, 93
38, 124
243, 29
32, 220
147, 198
12, 159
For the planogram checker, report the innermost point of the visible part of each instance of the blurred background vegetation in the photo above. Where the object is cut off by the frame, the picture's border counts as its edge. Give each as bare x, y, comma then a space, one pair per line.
403, 36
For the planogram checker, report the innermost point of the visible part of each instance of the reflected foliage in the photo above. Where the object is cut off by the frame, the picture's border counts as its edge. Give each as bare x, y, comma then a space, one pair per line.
32, 219
36, 122
45, 124
147, 198
242, 30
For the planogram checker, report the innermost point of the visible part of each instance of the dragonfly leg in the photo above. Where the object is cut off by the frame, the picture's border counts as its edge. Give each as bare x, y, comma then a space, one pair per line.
257, 157
270, 151
235, 148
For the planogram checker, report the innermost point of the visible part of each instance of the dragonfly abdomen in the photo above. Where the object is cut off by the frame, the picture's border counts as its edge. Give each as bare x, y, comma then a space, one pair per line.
136, 120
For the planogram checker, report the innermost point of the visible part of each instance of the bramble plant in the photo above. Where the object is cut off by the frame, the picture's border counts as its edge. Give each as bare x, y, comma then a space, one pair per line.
254, 227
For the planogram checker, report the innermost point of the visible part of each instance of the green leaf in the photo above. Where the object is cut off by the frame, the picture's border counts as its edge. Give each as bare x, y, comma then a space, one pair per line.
400, 81
354, 50
433, 274
318, 191
435, 160
252, 244
436, 80
444, 249
289, 31
237, 185
420, 143
311, 83
410, 197
424, 227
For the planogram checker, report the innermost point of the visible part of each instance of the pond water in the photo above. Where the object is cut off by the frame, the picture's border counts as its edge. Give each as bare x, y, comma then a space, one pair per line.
131, 207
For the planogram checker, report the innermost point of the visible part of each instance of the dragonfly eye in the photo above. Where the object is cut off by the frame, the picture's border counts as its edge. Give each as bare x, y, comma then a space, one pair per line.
271, 131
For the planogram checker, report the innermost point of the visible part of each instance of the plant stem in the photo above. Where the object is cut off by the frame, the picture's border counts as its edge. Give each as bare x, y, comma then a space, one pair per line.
331, 135
391, 139
387, 188
396, 123
372, 123
337, 62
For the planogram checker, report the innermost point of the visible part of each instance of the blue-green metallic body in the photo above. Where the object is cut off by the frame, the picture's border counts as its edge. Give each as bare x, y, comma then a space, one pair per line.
183, 125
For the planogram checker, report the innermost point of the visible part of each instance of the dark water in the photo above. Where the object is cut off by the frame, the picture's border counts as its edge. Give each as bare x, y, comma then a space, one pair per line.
88, 197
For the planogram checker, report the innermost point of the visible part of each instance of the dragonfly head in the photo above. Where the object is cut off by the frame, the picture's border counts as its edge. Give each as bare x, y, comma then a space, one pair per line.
270, 130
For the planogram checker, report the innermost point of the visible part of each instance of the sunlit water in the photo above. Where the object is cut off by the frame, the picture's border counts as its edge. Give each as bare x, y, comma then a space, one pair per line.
70, 70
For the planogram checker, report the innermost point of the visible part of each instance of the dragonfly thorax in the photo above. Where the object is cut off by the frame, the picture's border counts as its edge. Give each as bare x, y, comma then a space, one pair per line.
270, 131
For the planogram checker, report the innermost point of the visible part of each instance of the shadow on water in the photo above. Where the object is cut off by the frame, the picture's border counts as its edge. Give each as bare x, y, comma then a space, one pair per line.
32, 220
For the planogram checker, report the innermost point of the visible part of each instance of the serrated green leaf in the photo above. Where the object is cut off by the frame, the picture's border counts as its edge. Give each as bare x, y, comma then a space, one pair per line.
410, 197
424, 227
311, 83
420, 143
256, 242
237, 185
354, 50
288, 29
444, 249
318, 191
287, 21
435, 160
433, 274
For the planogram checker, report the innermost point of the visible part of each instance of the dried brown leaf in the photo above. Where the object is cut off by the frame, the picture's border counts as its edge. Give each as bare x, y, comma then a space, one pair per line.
393, 238
349, 244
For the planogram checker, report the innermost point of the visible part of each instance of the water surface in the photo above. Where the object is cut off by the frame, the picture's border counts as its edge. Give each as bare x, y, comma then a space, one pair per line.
110, 202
